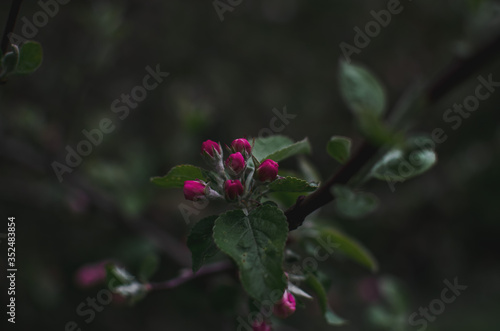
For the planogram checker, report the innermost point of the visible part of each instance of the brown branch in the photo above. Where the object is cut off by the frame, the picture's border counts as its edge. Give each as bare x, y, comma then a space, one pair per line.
188, 275
11, 22
457, 73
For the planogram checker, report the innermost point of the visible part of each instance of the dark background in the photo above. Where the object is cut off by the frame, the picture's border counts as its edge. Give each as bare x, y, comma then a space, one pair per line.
225, 79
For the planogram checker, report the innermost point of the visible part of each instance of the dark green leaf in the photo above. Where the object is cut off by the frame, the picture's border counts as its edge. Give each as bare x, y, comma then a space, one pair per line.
339, 148
333, 240
361, 91
201, 242
30, 57
178, 175
292, 184
256, 243
353, 204
317, 287
266, 146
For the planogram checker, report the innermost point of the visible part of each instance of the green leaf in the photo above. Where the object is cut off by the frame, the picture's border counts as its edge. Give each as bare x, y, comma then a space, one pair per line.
404, 163
178, 175
361, 91
339, 148
263, 147
148, 267
353, 204
10, 62
278, 148
30, 57
317, 287
292, 184
335, 240
118, 275
201, 243
256, 243
377, 132
122, 282
300, 147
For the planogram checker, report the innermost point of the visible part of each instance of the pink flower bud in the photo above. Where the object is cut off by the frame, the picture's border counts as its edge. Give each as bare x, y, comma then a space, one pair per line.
286, 306
194, 189
211, 148
267, 171
261, 326
233, 189
243, 146
91, 274
235, 164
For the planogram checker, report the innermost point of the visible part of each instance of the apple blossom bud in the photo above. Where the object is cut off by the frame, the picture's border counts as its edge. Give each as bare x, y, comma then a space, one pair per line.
235, 164
194, 189
286, 306
91, 274
261, 326
233, 189
267, 171
243, 146
211, 148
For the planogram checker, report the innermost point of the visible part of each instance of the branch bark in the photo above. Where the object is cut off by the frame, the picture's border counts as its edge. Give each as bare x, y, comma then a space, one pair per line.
454, 76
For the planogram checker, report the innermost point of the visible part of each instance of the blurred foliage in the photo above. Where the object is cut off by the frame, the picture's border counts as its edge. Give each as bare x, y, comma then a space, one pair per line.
225, 80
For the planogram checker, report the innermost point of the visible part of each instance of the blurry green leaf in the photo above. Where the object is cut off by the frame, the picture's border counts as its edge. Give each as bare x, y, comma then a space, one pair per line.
405, 163
256, 243
176, 177
308, 170
291, 184
353, 204
341, 242
10, 62
278, 148
117, 275
317, 287
339, 148
30, 57
148, 267
361, 91
394, 293
376, 131
201, 242
133, 292
124, 283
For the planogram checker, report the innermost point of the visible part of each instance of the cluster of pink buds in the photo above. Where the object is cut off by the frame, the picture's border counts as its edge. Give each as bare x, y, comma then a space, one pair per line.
234, 178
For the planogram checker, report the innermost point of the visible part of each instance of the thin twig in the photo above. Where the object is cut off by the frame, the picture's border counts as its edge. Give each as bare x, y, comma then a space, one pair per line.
11, 22
188, 275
